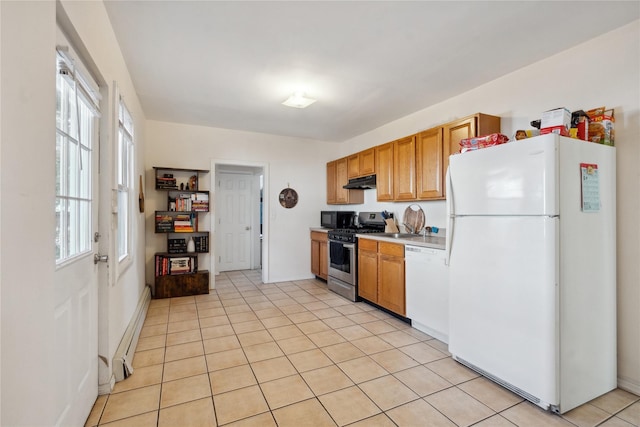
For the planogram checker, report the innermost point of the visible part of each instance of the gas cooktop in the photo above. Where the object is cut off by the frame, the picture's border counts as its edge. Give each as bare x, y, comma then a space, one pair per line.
368, 222
349, 234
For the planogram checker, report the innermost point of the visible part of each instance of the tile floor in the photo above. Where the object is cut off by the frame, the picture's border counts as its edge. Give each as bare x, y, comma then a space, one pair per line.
295, 354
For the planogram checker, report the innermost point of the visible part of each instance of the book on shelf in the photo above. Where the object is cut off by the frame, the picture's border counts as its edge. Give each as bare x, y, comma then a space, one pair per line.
166, 182
168, 265
164, 223
200, 202
201, 243
189, 202
176, 246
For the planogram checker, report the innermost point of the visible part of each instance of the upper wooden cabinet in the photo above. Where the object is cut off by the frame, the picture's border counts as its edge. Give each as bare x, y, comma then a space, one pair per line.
337, 177
362, 163
404, 168
331, 183
384, 171
468, 127
342, 178
368, 162
410, 168
429, 159
353, 166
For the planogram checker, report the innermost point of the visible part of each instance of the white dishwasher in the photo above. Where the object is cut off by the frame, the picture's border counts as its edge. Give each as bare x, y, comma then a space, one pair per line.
427, 290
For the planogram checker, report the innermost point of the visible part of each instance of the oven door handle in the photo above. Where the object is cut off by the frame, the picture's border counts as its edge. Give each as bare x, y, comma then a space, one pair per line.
349, 246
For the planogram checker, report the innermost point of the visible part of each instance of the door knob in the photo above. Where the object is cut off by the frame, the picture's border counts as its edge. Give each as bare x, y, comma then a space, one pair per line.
100, 258
247, 228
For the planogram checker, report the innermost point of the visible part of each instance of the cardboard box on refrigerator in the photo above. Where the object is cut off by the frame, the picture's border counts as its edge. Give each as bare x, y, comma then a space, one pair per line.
556, 121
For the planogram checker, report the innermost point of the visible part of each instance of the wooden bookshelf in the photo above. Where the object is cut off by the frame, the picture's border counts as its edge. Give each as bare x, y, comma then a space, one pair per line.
176, 270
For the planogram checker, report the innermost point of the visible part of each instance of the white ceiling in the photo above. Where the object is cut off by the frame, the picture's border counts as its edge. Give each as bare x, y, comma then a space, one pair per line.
230, 64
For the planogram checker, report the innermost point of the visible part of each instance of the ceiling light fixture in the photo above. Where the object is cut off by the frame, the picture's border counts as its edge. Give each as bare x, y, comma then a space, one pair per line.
299, 100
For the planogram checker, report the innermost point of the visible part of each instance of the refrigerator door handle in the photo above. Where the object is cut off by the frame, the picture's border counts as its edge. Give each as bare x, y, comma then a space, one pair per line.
450, 222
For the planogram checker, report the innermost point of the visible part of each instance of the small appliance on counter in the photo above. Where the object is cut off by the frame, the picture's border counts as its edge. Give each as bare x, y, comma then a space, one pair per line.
337, 219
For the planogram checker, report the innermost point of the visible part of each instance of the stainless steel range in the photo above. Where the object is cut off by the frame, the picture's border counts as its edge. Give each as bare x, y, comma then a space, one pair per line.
343, 253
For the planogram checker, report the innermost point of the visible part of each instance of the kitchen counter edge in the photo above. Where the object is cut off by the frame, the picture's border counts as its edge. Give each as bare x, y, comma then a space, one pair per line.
434, 242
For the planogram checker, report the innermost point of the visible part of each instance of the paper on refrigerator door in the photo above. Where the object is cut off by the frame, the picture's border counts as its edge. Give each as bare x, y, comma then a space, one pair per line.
590, 191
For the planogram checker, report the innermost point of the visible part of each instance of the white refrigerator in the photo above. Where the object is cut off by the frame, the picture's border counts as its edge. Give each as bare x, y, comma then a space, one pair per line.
532, 267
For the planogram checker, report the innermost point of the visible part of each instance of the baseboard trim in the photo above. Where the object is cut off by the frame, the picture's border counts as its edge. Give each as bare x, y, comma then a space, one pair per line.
124, 354
107, 387
630, 386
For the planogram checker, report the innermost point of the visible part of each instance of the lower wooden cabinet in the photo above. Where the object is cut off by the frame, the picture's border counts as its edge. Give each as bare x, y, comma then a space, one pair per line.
319, 254
391, 292
381, 274
180, 285
368, 270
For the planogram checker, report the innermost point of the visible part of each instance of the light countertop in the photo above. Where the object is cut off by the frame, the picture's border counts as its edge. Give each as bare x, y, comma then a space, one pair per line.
429, 241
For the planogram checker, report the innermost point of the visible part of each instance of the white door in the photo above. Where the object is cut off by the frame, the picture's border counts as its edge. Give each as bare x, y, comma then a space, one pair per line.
233, 214
76, 277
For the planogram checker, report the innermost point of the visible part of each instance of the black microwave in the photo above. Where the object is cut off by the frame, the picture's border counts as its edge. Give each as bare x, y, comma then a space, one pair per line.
337, 219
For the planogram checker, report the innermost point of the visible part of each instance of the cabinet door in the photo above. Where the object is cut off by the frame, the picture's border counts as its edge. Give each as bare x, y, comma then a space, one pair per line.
429, 176
324, 261
368, 270
353, 166
315, 257
469, 127
455, 131
404, 168
342, 178
331, 183
367, 162
391, 292
384, 171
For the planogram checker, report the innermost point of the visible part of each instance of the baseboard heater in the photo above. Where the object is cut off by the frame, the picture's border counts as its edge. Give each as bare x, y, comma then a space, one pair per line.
122, 367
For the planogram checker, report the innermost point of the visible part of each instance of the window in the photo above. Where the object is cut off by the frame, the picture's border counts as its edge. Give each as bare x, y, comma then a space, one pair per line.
76, 130
125, 180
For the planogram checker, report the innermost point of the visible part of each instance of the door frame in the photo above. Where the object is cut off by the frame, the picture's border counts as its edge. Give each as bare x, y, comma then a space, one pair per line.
227, 164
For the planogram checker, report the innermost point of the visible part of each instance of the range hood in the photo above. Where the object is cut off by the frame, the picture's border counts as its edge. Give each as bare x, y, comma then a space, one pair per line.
362, 183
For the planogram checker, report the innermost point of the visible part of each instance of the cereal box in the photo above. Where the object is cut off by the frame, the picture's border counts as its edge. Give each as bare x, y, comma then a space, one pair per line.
601, 129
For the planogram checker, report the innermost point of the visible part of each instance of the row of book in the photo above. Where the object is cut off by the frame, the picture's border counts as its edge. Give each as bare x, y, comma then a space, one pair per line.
178, 246
193, 202
166, 182
166, 265
180, 223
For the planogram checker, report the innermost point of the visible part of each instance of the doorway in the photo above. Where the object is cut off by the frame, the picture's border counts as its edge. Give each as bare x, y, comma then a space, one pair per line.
239, 216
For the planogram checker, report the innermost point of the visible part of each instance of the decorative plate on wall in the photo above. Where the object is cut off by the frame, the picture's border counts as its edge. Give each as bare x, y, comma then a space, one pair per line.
288, 198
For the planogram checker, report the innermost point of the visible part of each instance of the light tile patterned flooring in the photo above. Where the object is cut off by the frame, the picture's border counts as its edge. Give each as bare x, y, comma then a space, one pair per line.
295, 354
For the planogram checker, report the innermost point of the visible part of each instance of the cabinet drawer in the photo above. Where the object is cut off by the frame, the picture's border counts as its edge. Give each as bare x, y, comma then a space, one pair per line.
368, 245
319, 236
393, 249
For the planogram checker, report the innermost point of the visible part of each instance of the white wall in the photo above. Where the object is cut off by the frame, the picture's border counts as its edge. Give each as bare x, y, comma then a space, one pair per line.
293, 162
584, 77
27, 211
27, 177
